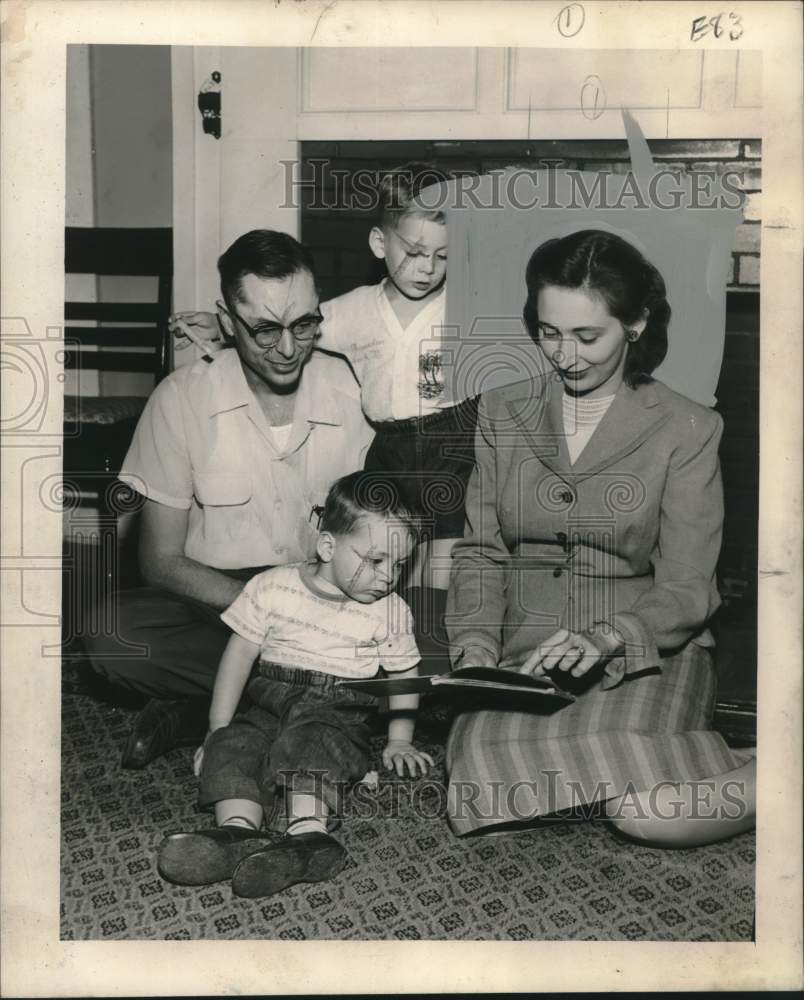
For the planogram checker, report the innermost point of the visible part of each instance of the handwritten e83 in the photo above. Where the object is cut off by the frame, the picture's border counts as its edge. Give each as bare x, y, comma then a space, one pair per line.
721, 24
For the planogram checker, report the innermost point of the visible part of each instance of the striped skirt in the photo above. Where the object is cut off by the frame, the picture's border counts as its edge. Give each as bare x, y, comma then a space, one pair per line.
508, 766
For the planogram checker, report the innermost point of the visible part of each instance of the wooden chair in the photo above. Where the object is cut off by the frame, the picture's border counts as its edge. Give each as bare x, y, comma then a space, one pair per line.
98, 429
122, 336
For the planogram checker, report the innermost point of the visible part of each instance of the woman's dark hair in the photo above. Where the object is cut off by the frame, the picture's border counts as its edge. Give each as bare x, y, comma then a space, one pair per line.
359, 494
630, 285
263, 252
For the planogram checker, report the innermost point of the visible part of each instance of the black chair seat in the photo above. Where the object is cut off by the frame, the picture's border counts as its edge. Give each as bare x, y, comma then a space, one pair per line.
92, 450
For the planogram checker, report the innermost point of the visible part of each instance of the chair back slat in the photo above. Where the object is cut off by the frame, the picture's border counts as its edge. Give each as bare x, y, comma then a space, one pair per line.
118, 251
164, 298
108, 361
113, 312
121, 336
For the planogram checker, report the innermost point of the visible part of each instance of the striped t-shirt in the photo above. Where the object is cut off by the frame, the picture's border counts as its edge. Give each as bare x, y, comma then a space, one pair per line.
298, 624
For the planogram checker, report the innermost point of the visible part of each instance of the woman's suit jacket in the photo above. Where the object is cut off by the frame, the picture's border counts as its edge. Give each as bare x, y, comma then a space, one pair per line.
629, 534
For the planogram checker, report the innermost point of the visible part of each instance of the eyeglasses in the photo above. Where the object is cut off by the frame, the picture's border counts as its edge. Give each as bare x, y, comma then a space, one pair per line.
303, 330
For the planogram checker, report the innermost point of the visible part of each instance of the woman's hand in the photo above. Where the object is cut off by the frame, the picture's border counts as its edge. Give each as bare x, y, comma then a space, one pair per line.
572, 652
399, 754
202, 325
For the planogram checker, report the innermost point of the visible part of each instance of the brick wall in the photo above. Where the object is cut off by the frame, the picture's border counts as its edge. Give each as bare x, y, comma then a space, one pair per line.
338, 241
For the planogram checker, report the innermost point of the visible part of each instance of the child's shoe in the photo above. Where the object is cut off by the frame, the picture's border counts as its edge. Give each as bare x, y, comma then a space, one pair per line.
304, 857
208, 856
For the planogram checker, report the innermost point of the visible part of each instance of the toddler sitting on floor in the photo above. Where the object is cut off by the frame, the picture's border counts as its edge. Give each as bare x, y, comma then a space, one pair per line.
302, 737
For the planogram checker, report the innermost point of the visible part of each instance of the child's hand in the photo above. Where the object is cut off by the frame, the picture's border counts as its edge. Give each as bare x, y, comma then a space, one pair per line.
399, 754
198, 756
202, 325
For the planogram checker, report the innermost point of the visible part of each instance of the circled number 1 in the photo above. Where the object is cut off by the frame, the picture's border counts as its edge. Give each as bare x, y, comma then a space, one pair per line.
570, 20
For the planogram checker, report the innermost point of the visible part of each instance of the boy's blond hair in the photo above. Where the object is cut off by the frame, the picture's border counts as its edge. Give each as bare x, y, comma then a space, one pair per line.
400, 188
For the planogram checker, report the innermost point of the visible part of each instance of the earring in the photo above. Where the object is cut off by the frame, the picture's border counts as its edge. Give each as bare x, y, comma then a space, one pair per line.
631, 336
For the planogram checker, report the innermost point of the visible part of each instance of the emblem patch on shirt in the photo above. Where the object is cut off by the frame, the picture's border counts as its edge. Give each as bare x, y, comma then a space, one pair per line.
431, 378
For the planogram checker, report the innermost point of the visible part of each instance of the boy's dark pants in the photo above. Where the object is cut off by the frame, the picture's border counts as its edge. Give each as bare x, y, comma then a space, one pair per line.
429, 459
302, 733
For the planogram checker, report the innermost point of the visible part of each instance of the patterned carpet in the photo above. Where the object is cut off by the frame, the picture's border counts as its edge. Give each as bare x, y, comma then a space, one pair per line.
408, 877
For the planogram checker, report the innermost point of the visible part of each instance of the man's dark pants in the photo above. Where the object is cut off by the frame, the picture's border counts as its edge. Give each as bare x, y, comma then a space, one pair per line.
160, 644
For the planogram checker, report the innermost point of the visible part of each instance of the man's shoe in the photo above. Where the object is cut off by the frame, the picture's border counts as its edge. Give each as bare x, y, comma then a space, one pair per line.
163, 725
307, 857
208, 855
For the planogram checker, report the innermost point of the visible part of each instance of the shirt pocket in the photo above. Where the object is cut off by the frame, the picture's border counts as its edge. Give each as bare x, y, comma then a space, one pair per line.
226, 502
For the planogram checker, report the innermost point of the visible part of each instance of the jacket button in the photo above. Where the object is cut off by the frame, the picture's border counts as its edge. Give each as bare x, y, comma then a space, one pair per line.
567, 496
562, 538
557, 572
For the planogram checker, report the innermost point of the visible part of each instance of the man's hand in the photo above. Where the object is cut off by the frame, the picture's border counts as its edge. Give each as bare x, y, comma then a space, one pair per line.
399, 754
163, 531
201, 325
198, 756
198, 759
572, 652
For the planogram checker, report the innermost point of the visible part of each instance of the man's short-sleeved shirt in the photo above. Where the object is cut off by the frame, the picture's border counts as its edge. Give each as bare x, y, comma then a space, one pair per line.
400, 370
203, 445
297, 624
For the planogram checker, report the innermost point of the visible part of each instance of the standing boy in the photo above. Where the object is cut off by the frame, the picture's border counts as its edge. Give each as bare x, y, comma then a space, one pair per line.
391, 334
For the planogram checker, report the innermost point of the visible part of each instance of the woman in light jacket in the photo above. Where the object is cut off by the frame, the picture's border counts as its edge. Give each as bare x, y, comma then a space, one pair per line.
594, 521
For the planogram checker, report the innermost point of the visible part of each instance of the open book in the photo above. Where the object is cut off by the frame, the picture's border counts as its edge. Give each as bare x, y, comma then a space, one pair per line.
465, 678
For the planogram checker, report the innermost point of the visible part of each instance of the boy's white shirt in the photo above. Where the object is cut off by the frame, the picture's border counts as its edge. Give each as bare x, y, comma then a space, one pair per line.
300, 625
363, 326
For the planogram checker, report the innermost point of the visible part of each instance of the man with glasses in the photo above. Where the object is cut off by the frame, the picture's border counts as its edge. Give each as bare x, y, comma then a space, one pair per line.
233, 456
